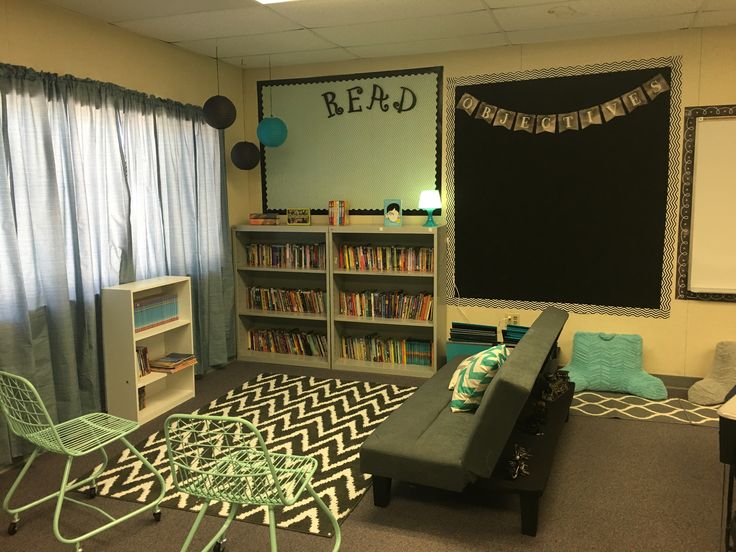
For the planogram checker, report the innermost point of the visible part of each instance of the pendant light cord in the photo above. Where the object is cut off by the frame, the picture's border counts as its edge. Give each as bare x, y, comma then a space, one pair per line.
217, 69
242, 88
270, 88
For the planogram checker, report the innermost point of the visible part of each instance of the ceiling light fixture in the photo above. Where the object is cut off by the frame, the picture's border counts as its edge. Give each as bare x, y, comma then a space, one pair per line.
245, 155
271, 130
219, 111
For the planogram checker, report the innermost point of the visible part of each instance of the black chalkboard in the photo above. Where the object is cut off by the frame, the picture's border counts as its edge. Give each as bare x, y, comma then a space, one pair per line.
572, 217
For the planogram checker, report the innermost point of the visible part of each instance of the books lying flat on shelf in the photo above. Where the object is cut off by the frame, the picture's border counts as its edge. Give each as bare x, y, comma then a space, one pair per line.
386, 304
173, 362
287, 255
386, 349
287, 300
263, 218
473, 333
150, 312
389, 258
514, 333
292, 342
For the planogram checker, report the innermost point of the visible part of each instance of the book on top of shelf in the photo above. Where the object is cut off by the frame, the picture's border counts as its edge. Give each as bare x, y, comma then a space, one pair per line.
171, 359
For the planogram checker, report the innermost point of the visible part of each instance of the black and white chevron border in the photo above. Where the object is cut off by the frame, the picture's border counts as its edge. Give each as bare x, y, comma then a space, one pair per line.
325, 418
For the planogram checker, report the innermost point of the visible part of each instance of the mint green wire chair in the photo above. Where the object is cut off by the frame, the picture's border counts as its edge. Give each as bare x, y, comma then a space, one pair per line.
225, 459
28, 418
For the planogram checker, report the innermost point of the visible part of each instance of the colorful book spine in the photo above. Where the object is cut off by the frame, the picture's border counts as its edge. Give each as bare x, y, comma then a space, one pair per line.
337, 212
386, 258
374, 348
154, 311
287, 300
385, 304
287, 255
292, 342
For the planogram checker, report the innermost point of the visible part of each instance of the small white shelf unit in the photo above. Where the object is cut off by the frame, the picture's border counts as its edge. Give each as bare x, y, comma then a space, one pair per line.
332, 280
247, 277
163, 391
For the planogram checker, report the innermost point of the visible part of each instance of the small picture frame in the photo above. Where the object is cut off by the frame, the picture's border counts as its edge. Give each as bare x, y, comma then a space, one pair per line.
392, 214
298, 217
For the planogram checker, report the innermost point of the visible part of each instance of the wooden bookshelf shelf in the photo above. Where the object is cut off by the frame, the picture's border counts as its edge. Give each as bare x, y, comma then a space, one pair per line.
282, 314
279, 269
387, 321
383, 273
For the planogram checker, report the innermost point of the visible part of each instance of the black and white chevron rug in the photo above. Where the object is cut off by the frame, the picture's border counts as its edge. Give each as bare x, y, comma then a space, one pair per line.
325, 418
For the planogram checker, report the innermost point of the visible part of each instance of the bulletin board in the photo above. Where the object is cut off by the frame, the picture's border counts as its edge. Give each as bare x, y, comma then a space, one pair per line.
706, 262
361, 137
562, 188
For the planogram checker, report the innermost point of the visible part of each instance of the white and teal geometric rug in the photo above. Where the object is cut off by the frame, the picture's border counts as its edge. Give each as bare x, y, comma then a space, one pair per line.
631, 407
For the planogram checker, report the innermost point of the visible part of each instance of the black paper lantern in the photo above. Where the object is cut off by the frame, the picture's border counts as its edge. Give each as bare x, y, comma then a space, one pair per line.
219, 112
245, 155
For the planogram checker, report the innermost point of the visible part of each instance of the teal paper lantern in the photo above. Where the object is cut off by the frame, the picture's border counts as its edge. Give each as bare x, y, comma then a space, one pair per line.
271, 132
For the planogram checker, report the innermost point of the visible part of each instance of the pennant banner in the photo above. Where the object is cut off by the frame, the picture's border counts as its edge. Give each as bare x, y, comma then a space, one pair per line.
562, 122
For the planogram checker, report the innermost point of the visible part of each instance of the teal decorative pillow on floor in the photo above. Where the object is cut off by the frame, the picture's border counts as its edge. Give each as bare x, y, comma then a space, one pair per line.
612, 362
473, 376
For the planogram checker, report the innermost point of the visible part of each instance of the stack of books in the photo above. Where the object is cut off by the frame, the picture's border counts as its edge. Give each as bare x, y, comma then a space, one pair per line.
150, 312
287, 255
337, 212
173, 362
513, 333
141, 354
263, 218
375, 348
291, 342
386, 304
385, 258
287, 300
473, 333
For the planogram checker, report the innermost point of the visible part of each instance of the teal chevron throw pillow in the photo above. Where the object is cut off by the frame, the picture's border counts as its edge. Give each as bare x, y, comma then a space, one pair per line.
473, 376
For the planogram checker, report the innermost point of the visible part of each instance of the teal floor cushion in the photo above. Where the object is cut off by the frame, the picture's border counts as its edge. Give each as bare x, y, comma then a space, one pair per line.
612, 362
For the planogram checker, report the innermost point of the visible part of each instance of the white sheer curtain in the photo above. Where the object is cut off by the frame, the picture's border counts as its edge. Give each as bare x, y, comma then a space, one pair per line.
98, 186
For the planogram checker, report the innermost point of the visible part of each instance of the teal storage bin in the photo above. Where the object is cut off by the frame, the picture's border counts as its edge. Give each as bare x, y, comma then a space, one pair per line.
464, 349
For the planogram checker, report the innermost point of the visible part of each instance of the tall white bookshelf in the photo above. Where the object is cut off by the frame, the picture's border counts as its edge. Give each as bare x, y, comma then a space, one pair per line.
408, 282
163, 391
247, 277
332, 280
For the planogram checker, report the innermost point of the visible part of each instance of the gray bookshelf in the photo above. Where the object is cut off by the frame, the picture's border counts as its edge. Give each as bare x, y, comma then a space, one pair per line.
332, 280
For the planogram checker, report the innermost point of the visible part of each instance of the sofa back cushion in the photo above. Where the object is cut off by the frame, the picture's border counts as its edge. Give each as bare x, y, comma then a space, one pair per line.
508, 392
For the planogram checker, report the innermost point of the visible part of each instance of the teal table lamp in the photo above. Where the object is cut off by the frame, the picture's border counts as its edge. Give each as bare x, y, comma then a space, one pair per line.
430, 200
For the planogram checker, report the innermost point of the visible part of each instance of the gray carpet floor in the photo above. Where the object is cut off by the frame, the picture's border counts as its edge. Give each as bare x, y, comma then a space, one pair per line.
618, 485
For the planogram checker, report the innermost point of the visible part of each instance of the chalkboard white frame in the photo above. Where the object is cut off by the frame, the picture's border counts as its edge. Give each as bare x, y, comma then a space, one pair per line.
692, 114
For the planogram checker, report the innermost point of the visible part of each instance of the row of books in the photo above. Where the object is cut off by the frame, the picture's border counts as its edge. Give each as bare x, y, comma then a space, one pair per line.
286, 300
150, 312
172, 362
474, 333
381, 257
381, 349
386, 304
513, 333
293, 342
263, 218
337, 212
286, 255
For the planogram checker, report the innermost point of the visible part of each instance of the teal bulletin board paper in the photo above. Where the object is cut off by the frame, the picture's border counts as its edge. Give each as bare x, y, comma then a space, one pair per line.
362, 156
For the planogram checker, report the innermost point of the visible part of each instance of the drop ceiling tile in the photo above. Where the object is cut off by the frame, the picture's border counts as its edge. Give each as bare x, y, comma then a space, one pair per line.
578, 12
593, 30
331, 13
713, 5
121, 10
430, 46
267, 43
715, 18
210, 24
294, 58
409, 30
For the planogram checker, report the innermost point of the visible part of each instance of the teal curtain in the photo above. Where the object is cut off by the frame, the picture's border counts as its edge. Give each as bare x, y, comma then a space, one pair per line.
100, 185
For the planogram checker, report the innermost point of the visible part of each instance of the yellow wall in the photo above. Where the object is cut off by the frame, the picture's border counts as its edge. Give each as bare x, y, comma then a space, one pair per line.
48, 38
682, 344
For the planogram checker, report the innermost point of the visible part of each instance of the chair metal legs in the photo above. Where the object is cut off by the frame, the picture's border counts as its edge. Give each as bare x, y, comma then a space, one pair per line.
215, 541
61, 496
326, 510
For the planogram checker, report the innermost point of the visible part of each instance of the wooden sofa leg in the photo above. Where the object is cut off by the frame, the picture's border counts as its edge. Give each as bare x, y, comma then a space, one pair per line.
529, 513
381, 490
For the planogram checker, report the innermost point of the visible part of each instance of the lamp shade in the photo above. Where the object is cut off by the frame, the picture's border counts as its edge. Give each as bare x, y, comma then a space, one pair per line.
219, 112
430, 199
272, 132
245, 155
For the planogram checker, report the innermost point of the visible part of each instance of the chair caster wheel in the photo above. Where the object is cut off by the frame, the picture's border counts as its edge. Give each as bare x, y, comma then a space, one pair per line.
219, 546
157, 515
13, 528
91, 492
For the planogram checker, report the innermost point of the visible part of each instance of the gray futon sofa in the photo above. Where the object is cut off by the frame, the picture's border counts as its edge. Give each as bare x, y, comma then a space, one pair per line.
423, 442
